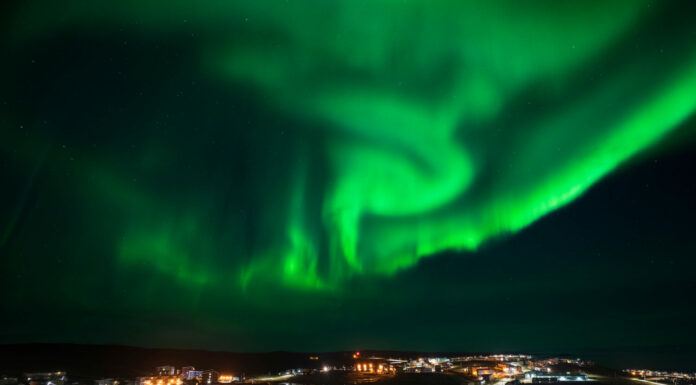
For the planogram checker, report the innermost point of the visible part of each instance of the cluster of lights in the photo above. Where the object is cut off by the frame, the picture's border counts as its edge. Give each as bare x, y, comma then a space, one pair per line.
225, 378
370, 368
657, 373
163, 381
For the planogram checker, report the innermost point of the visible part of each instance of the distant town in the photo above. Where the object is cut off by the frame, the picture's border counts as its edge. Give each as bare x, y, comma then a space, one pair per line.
508, 369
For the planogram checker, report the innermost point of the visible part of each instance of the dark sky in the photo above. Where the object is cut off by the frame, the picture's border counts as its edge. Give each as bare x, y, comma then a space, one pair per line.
314, 176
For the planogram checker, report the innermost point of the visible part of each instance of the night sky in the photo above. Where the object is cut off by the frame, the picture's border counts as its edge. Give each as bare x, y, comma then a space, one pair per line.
325, 175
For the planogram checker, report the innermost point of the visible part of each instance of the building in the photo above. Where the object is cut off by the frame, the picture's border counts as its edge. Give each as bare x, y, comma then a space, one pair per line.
374, 365
210, 376
543, 377
193, 374
185, 372
166, 370
46, 378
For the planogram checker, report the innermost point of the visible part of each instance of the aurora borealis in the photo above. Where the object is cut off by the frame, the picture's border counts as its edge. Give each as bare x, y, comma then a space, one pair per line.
248, 161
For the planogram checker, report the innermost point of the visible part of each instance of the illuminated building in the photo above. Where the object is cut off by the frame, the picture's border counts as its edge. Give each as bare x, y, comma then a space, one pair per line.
166, 370
185, 372
46, 378
210, 376
193, 374
542, 377
375, 365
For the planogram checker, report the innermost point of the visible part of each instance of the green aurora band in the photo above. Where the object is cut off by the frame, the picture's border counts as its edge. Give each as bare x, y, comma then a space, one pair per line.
414, 127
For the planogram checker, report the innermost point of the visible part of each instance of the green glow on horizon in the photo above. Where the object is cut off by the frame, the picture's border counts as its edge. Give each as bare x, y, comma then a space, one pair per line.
414, 104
